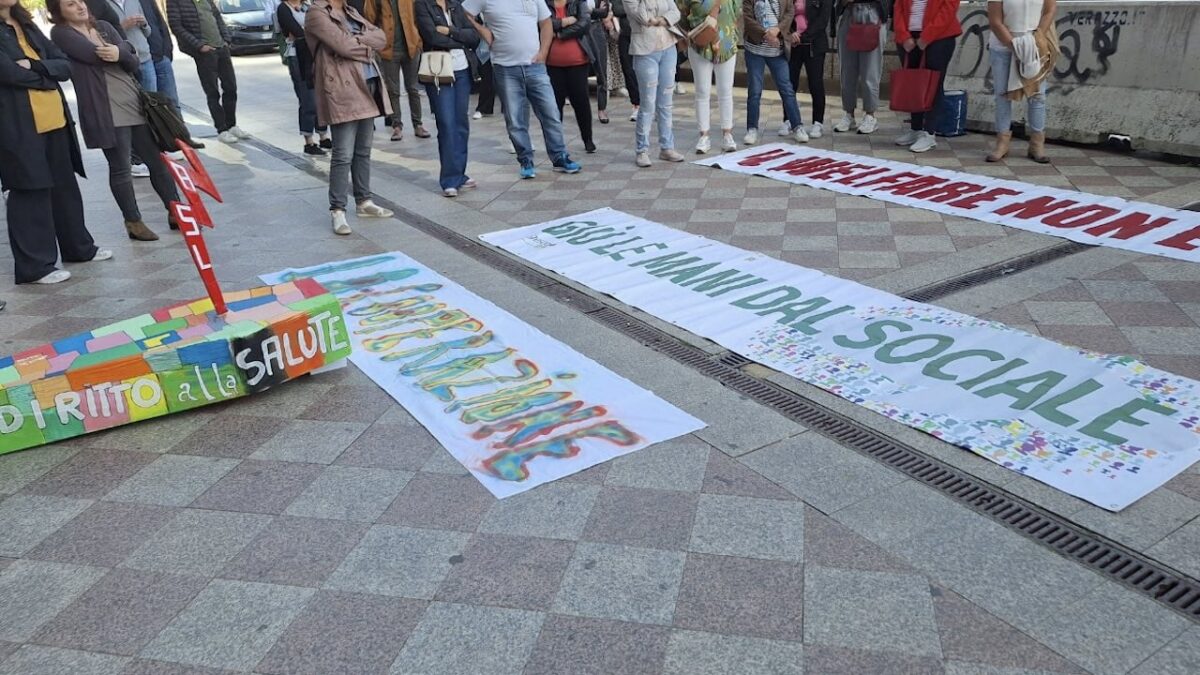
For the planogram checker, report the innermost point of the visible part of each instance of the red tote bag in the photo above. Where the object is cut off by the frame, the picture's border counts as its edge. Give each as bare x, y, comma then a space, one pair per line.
862, 37
914, 89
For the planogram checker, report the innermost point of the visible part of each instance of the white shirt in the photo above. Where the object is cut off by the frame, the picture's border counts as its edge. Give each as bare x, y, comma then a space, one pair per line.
1020, 17
514, 23
916, 18
457, 56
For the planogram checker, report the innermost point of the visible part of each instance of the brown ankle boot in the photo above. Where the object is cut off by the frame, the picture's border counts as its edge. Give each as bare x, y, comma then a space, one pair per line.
1000, 151
1037, 148
138, 230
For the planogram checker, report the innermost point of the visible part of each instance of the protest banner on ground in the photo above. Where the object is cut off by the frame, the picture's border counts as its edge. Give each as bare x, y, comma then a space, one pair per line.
1078, 216
1108, 429
515, 406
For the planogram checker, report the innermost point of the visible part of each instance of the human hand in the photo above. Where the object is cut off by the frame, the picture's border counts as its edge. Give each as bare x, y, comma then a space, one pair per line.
908, 45
109, 53
130, 21
794, 38
569, 21
922, 44
206, 49
444, 30
486, 35
771, 36
540, 57
24, 63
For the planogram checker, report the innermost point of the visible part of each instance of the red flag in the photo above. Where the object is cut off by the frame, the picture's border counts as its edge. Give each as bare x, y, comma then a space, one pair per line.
194, 239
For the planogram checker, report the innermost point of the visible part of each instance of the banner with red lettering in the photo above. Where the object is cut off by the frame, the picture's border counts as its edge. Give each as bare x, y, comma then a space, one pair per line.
1078, 216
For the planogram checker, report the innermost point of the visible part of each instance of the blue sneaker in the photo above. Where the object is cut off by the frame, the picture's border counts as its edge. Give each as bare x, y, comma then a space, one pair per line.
527, 172
566, 165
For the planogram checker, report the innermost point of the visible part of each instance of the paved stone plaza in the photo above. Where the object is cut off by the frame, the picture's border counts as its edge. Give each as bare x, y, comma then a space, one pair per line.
317, 528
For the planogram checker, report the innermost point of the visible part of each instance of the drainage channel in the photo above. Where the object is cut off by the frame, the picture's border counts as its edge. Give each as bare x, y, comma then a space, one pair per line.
1119, 563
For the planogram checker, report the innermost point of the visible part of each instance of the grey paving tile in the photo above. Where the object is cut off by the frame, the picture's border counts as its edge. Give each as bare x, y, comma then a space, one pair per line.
454, 639
399, 561
604, 581
38, 660
7, 648
295, 551
26, 520
906, 510
639, 517
1179, 549
554, 510
259, 487
391, 446
121, 613
821, 472
197, 543
1065, 313
741, 596
1180, 657
728, 476
228, 435
749, 528
309, 441
362, 404
869, 610
350, 493
843, 661
677, 464
33, 592
19, 469
158, 435
1144, 523
152, 667
518, 572
230, 624
288, 401
581, 646
344, 633
830, 544
694, 653
440, 501
172, 480
104, 534
90, 474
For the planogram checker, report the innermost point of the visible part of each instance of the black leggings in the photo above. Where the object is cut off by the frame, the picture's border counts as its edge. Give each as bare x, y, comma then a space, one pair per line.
937, 57
120, 180
487, 90
571, 82
631, 83
812, 59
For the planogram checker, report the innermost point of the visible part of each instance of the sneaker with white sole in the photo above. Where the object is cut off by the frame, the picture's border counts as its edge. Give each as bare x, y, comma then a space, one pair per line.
670, 155
703, 145
102, 254
633, 115
785, 129
800, 135
727, 143
340, 226
845, 124
642, 159
55, 277
450, 192
139, 170
924, 143
751, 137
816, 130
370, 209
868, 125
239, 132
227, 137
476, 115
680, 90
908, 137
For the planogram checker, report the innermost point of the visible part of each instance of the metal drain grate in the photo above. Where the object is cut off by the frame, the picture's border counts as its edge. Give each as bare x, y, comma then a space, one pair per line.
1168, 587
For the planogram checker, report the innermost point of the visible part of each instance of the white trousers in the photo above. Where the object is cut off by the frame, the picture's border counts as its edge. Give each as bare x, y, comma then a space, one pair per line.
703, 71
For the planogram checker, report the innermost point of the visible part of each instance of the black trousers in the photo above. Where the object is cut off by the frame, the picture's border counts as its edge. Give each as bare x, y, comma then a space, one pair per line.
937, 57
631, 83
216, 68
487, 90
41, 223
571, 83
812, 60
120, 180
599, 39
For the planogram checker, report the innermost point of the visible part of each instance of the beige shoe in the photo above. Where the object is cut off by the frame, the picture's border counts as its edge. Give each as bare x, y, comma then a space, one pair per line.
340, 226
1037, 148
642, 159
370, 209
670, 155
1000, 150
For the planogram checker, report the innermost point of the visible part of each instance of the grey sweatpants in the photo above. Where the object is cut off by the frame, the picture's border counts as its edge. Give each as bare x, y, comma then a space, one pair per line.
859, 69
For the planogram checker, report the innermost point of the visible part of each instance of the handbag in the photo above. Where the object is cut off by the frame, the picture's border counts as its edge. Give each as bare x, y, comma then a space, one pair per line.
163, 122
436, 68
914, 89
706, 34
862, 37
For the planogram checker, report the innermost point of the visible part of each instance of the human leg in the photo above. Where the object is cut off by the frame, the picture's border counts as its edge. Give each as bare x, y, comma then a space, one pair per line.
206, 71
486, 104
160, 176
581, 101
702, 75
75, 243
755, 65
510, 85
541, 99
390, 69
409, 68
31, 234
120, 180
360, 165
814, 70
228, 80
339, 163
646, 67
787, 94
164, 77
664, 108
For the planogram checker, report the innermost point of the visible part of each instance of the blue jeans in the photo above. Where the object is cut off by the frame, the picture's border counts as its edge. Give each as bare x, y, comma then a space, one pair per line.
159, 76
451, 103
522, 87
656, 84
1035, 112
755, 65
305, 97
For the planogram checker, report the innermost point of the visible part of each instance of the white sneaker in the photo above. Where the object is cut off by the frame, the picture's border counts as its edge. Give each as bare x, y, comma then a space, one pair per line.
924, 143
55, 277
239, 132
370, 209
680, 90
908, 137
868, 125
800, 135
633, 115
340, 226
816, 130
751, 137
727, 143
476, 115
227, 137
102, 255
642, 159
845, 124
785, 129
450, 192
622, 92
703, 145
139, 171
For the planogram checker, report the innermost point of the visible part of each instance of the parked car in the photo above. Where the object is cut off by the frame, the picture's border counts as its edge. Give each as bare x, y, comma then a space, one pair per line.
252, 27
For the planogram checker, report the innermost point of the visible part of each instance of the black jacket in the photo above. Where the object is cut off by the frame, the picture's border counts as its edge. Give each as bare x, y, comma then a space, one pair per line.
577, 30
160, 34
23, 164
185, 23
91, 84
462, 32
818, 13
289, 27
102, 11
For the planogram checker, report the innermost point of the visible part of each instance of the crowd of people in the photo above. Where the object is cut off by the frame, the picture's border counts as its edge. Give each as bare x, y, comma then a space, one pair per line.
350, 61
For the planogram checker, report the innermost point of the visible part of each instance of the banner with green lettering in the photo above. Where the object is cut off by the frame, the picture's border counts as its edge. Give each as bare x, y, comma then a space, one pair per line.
1108, 429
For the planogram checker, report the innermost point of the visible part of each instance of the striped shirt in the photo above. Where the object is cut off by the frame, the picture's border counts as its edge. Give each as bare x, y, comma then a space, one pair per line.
767, 12
917, 18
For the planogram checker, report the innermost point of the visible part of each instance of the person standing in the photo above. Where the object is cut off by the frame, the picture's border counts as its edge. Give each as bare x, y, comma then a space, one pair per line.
400, 57
349, 97
39, 154
289, 16
519, 33
624, 37
861, 59
570, 58
162, 52
717, 59
810, 42
135, 30
653, 47
767, 46
445, 28
203, 35
103, 68
1013, 20
925, 33
486, 104
597, 37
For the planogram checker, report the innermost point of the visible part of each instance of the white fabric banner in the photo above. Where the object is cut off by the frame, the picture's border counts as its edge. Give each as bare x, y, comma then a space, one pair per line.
1108, 429
1078, 216
515, 406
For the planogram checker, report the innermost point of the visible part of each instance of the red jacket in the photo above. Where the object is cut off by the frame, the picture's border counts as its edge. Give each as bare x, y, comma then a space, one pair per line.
941, 20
